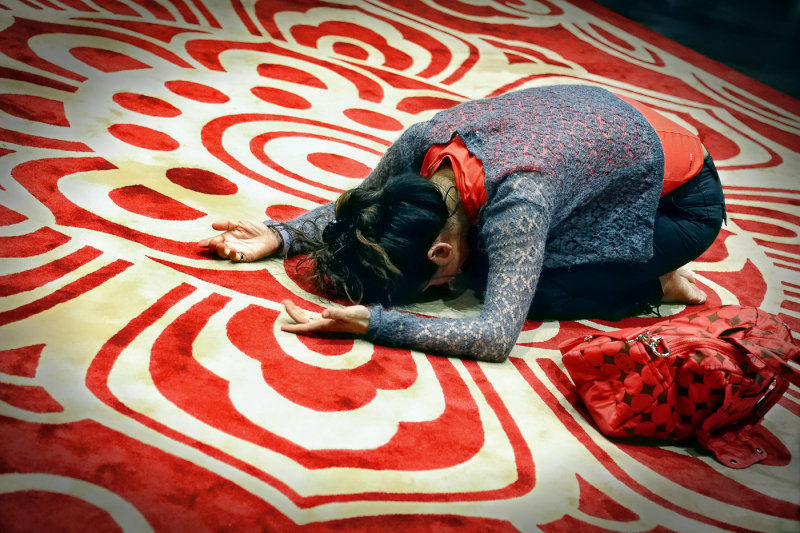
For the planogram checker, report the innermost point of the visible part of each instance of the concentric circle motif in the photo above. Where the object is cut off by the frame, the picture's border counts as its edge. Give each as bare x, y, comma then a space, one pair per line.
145, 385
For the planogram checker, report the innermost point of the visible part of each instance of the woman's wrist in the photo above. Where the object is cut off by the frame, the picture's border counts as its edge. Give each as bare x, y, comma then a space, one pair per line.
280, 232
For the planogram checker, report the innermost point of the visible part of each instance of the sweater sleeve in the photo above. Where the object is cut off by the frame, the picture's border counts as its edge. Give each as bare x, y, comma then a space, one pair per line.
514, 231
404, 154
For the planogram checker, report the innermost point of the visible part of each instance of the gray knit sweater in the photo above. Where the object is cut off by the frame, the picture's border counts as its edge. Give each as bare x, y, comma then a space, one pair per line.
573, 176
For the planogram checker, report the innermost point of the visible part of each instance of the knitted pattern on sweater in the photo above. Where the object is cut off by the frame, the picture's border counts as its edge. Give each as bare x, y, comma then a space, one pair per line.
601, 155
573, 175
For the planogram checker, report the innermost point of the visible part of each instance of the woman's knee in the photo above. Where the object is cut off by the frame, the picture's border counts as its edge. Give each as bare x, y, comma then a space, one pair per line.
700, 198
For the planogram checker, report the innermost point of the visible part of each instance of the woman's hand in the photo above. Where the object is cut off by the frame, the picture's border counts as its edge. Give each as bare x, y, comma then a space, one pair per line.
353, 319
242, 240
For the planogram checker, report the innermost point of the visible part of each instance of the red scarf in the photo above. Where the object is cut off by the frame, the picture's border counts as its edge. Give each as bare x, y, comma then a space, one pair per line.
468, 171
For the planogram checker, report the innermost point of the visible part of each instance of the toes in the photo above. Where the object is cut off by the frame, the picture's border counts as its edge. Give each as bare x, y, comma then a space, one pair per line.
678, 288
683, 271
696, 295
686, 274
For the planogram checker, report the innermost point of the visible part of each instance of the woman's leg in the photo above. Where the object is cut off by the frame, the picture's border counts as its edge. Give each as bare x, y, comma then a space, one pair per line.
687, 221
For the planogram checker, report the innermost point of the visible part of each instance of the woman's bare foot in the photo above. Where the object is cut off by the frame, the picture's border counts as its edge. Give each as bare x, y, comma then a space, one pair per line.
679, 287
686, 273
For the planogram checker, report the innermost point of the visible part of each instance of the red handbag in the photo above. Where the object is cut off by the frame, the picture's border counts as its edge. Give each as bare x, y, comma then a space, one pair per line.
710, 375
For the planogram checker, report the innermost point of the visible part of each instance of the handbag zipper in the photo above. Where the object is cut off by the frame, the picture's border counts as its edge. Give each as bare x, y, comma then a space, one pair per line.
677, 343
698, 342
670, 344
651, 342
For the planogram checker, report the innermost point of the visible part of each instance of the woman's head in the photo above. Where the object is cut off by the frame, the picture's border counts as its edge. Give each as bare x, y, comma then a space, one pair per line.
376, 250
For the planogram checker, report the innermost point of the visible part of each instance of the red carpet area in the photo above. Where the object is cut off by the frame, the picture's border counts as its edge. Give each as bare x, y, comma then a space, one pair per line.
146, 386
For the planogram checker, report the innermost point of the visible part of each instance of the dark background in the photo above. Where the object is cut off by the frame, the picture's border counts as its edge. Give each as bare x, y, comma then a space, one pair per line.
759, 38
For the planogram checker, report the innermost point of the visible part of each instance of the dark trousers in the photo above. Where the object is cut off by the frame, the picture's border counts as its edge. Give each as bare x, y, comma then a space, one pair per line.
687, 221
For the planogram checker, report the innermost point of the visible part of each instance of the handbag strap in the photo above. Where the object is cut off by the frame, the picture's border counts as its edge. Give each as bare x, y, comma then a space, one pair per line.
754, 357
731, 443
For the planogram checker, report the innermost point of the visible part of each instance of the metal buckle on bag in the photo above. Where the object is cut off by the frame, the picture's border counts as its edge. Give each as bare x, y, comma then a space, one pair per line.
652, 343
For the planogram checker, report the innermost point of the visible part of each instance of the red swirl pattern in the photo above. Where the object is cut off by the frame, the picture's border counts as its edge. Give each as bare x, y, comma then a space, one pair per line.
145, 385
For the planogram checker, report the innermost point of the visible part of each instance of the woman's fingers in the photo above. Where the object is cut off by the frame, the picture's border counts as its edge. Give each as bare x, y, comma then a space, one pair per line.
309, 326
295, 311
223, 244
224, 225
234, 255
228, 253
242, 241
225, 251
353, 320
313, 326
210, 241
217, 245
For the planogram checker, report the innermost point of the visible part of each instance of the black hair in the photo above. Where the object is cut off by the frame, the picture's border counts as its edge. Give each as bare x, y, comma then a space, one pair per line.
375, 250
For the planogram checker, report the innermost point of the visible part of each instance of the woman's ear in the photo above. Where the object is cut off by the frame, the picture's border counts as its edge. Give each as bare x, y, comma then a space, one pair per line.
440, 253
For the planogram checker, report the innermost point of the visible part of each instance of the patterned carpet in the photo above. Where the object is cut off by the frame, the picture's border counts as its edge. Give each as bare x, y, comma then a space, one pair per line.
146, 386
